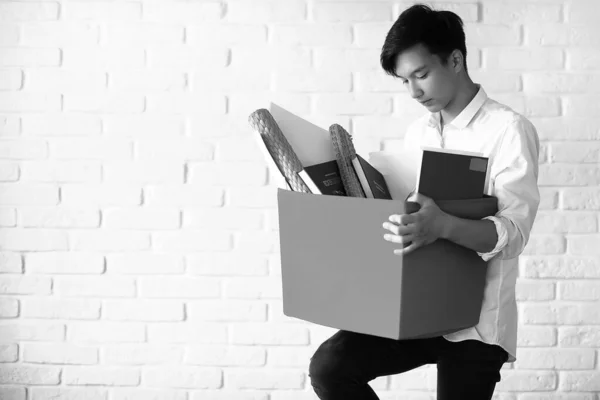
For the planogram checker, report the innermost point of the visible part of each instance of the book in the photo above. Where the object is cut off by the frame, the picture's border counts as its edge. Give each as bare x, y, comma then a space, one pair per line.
447, 174
371, 180
326, 176
399, 169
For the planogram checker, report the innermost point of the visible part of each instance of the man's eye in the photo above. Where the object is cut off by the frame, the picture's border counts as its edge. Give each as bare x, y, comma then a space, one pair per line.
404, 82
422, 76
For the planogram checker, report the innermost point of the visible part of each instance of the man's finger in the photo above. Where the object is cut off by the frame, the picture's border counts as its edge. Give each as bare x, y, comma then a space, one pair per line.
399, 238
412, 247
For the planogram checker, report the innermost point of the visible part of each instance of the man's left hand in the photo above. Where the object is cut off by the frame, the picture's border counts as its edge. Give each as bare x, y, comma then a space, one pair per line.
419, 228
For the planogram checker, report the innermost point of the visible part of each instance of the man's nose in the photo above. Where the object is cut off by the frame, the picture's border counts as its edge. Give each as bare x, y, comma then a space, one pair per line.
414, 90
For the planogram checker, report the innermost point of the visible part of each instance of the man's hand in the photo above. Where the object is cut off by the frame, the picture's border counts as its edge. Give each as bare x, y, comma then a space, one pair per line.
420, 228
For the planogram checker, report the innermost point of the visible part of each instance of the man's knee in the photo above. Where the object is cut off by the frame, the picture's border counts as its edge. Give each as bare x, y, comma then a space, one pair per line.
326, 364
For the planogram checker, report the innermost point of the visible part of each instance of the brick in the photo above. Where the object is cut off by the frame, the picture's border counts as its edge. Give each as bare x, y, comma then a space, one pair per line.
268, 334
578, 13
317, 35
223, 394
10, 125
584, 245
141, 218
354, 104
143, 310
9, 172
253, 197
559, 359
529, 59
588, 381
188, 333
580, 199
109, 103
351, 12
24, 284
184, 377
226, 356
386, 127
66, 393
183, 195
11, 79
43, 353
377, 81
580, 106
23, 149
353, 59
488, 35
59, 217
252, 288
226, 35
29, 102
527, 381
108, 376
106, 332
265, 379
567, 128
579, 336
105, 194
144, 126
498, 82
39, 11
583, 59
275, 312
60, 308
179, 287
238, 148
142, 34
266, 11
230, 80
276, 57
27, 375
60, 34
289, 356
90, 148
579, 153
8, 353
102, 11
218, 264
84, 286
8, 217
32, 331
519, 13
561, 314
142, 354
88, 171
62, 125
188, 149
564, 222
18, 239
9, 308
183, 12
11, 263
569, 175
216, 126
9, 33
147, 394
144, 263
102, 58
535, 290
370, 34
223, 218
196, 240
564, 267
27, 57
579, 291
225, 174
182, 58
144, 172
561, 35
556, 82
226, 310
147, 81
258, 242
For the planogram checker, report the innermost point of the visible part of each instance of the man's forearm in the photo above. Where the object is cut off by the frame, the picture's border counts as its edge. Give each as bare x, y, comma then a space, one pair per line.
478, 235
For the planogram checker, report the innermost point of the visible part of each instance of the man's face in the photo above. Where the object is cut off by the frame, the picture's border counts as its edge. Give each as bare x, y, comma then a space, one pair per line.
428, 81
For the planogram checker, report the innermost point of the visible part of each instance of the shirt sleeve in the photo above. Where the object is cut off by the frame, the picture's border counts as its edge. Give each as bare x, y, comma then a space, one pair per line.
515, 177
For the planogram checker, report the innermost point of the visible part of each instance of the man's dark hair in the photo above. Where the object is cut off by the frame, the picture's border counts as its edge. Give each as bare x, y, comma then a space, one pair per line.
441, 32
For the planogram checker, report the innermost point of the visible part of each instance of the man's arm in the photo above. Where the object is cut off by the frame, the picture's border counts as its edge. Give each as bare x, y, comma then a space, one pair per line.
478, 235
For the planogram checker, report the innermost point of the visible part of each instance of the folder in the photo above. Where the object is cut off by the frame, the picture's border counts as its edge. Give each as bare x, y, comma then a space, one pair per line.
338, 271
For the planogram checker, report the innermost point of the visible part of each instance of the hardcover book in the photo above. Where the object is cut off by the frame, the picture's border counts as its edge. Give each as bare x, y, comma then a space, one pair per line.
326, 177
447, 174
371, 180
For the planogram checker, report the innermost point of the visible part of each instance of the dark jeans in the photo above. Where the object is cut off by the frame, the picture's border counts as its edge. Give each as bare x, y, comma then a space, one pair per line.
343, 365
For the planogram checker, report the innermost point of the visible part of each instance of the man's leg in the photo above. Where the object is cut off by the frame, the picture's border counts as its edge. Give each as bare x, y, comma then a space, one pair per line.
469, 369
343, 365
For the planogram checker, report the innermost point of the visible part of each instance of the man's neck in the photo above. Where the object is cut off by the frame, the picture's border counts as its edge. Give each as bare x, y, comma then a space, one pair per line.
462, 99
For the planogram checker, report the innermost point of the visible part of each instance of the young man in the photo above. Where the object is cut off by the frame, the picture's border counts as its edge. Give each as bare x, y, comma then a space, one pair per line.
426, 50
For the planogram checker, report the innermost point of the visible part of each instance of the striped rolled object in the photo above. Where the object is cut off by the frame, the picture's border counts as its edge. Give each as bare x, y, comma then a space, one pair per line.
279, 148
344, 154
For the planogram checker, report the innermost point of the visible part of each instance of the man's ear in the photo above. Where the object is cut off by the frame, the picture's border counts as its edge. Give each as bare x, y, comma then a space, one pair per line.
457, 60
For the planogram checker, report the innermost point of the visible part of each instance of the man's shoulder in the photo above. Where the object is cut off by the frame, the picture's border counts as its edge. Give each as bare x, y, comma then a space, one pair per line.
501, 114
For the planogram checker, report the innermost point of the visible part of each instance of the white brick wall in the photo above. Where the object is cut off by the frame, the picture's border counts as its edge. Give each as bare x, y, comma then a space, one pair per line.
138, 241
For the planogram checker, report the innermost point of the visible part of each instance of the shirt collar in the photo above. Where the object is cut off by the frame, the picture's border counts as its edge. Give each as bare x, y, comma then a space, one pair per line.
466, 115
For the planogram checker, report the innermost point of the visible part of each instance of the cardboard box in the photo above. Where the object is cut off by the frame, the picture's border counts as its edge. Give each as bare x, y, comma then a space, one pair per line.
338, 271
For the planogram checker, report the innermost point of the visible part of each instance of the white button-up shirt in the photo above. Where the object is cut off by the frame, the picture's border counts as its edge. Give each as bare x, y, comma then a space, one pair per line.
511, 142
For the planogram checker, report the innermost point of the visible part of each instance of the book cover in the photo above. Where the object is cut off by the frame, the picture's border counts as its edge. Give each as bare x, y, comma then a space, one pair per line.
447, 174
371, 180
327, 178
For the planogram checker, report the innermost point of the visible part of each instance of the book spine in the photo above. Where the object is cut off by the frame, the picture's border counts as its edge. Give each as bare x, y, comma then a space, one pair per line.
364, 182
309, 182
